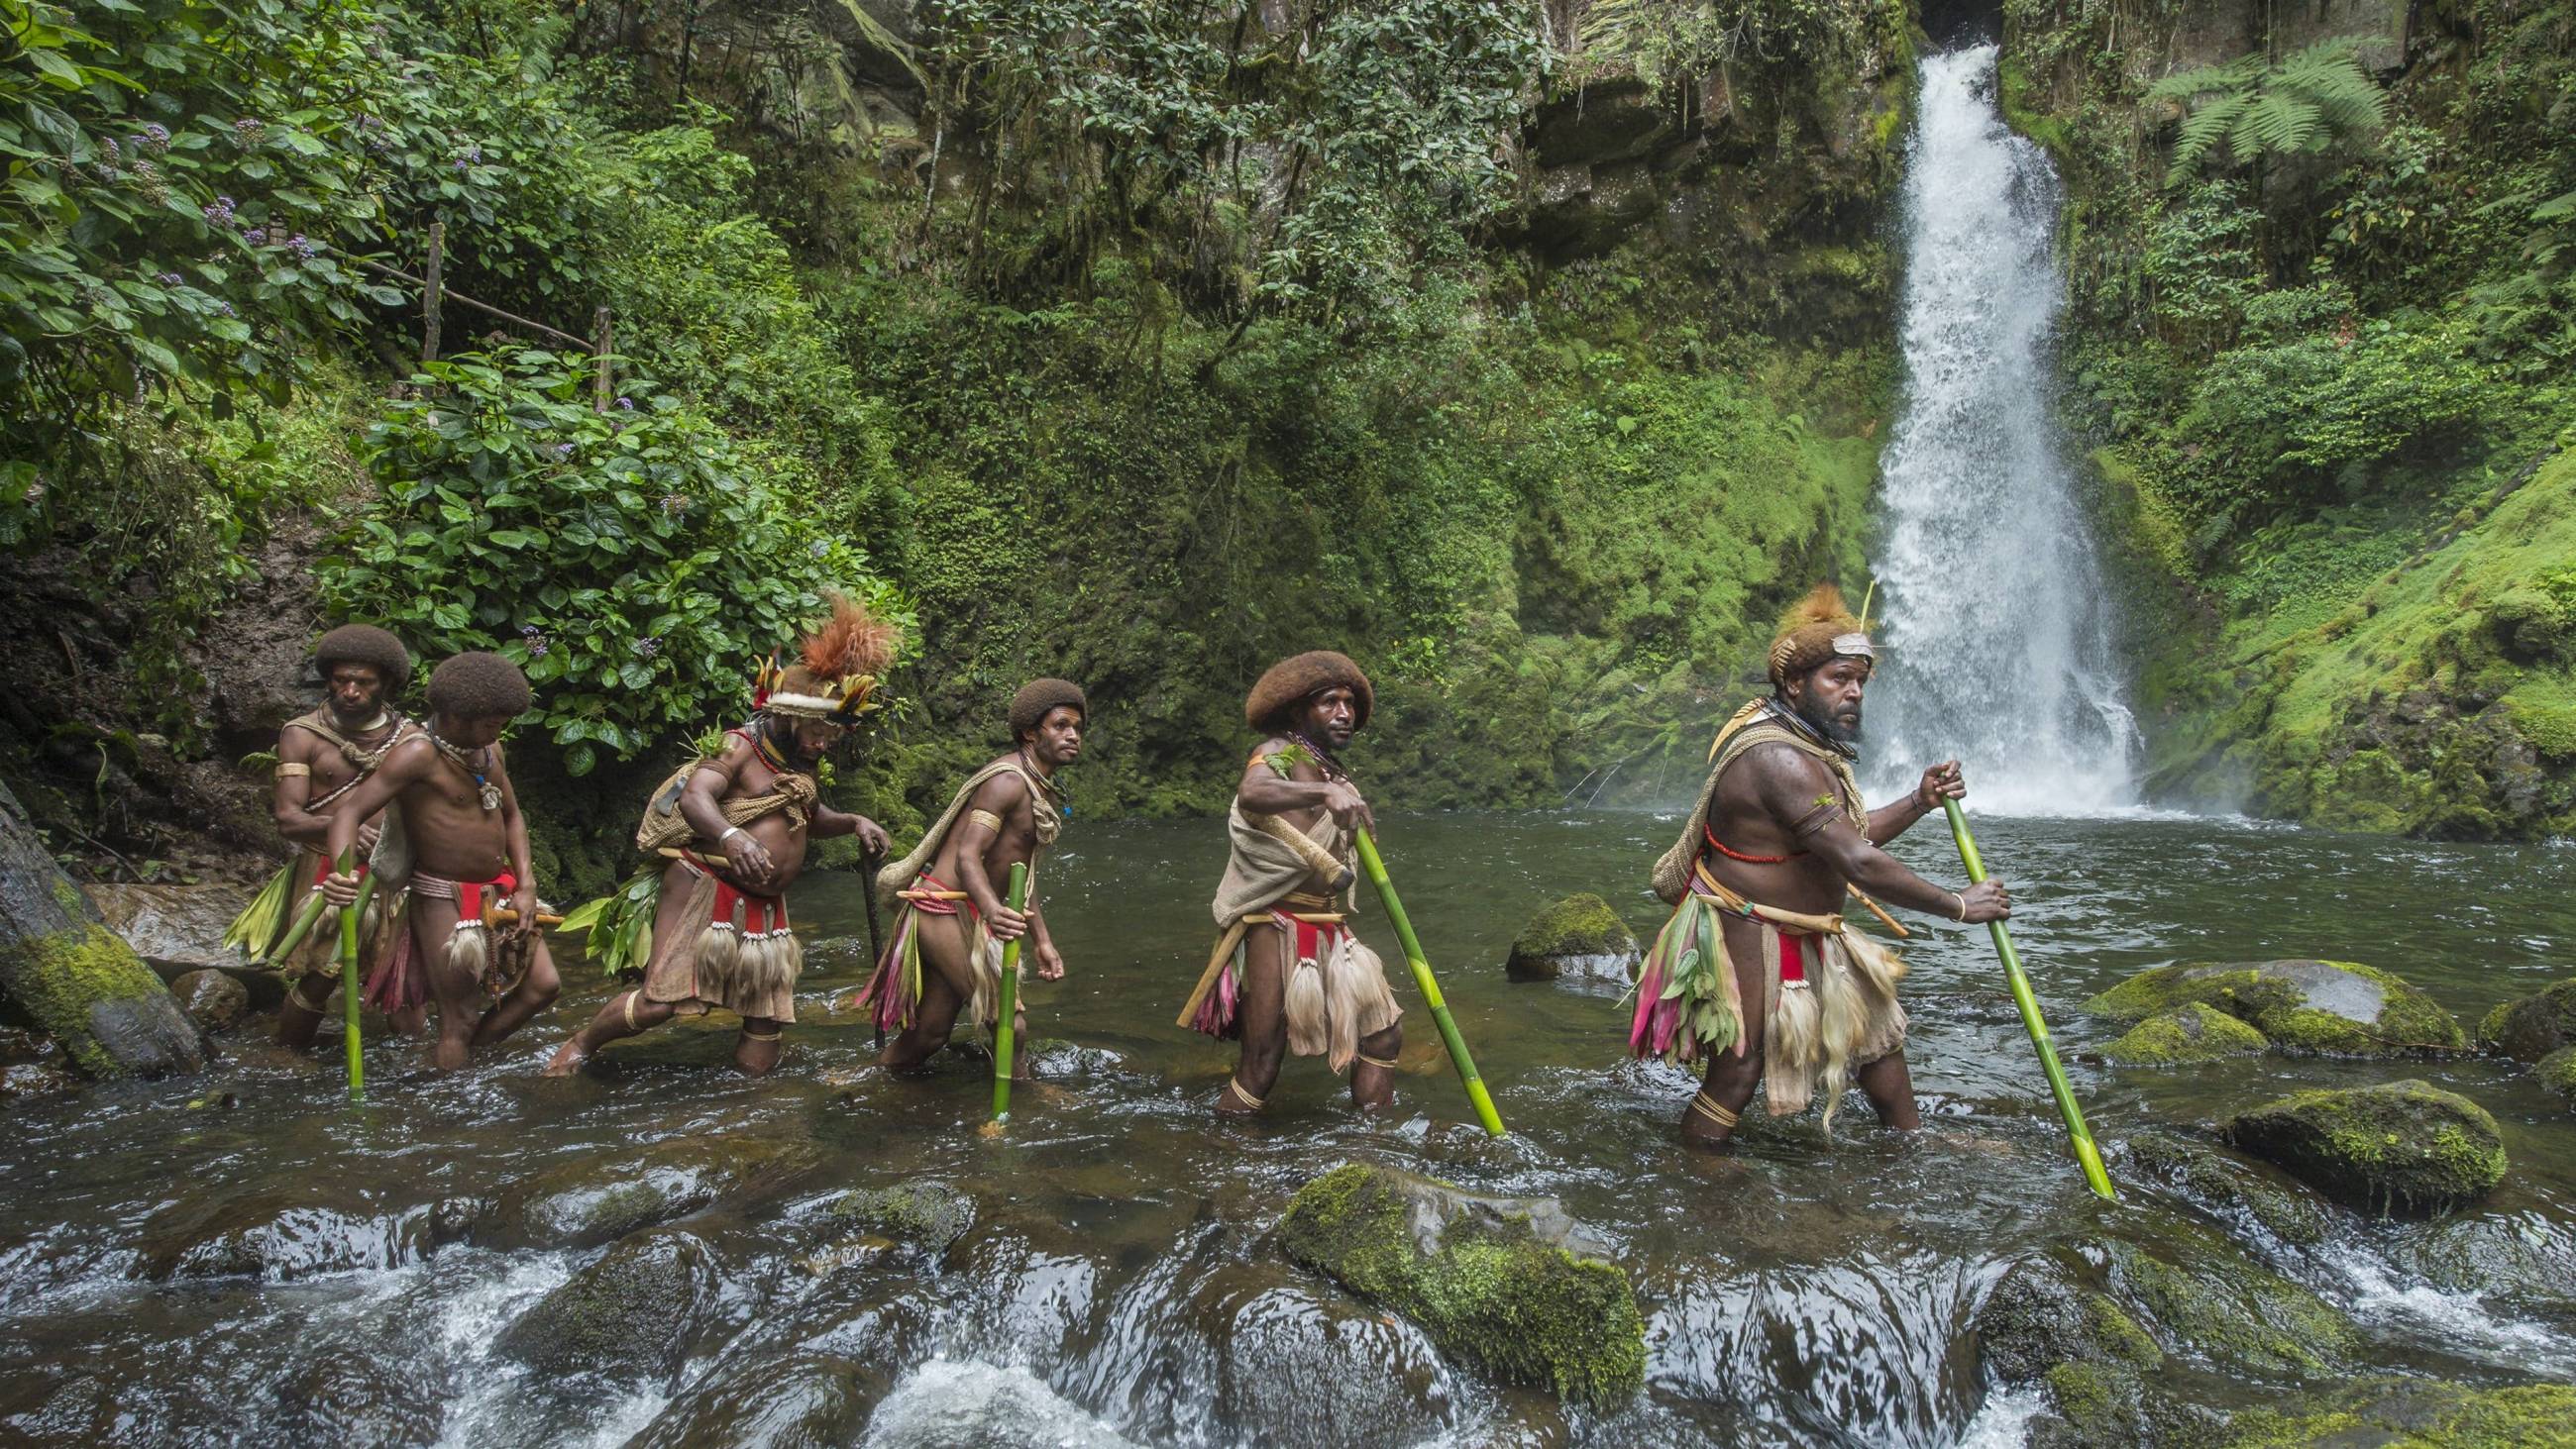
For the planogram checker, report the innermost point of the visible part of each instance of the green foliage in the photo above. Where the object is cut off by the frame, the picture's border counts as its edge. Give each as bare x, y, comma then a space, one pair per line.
2310, 103
634, 561
619, 925
187, 185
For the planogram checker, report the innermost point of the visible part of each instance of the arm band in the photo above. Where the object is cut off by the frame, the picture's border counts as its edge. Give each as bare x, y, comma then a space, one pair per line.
985, 818
1825, 813
293, 770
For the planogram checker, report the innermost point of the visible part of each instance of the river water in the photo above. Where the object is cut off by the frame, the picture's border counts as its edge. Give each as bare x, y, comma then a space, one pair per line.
245, 1256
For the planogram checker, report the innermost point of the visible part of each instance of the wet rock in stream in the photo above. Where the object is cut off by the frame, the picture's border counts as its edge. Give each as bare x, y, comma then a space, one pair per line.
2336, 1008
1510, 1285
629, 1316
2395, 1147
2557, 1072
2405, 1413
288, 1234
2193, 1032
2046, 1323
352, 1393
928, 1215
2529, 1028
2199, 1294
800, 1401
213, 1000
613, 1192
2236, 1192
1580, 938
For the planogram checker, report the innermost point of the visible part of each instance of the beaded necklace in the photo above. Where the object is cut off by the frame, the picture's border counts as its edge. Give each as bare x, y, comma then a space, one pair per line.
477, 765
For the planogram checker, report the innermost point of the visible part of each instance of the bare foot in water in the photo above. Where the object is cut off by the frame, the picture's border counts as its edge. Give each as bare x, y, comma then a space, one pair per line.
567, 1059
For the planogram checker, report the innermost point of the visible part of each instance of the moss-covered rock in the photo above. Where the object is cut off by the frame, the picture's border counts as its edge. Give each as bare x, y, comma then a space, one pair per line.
2200, 1293
928, 1214
1510, 1285
2193, 1032
1579, 936
628, 1316
2400, 1146
2557, 1072
2531, 1027
75, 978
2046, 1322
2338, 1008
2395, 1413
2236, 1192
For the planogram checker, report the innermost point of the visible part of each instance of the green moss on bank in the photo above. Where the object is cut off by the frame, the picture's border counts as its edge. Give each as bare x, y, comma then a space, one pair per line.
1495, 1297
2416, 1414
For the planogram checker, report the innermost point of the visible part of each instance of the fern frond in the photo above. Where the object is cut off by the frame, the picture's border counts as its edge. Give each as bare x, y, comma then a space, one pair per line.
2201, 130
2282, 122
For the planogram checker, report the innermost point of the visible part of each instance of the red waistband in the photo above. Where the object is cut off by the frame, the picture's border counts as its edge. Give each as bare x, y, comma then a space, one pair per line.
926, 880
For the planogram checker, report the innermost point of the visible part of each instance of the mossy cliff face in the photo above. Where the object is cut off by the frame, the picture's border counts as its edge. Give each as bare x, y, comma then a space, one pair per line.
2400, 1147
1479, 1275
2331, 1007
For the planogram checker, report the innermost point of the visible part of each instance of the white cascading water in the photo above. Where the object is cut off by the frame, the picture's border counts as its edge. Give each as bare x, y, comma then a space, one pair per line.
1998, 638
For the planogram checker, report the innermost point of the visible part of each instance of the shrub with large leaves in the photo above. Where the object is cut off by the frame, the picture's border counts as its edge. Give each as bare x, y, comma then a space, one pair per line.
635, 562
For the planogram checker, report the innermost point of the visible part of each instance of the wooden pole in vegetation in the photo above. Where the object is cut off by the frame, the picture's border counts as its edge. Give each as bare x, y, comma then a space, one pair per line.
430, 290
1430, 988
2079, 1138
869, 861
1009, 1000
353, 1039
599, 385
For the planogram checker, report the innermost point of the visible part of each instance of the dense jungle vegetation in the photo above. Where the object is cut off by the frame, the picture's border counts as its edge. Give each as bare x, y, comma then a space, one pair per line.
1534, 354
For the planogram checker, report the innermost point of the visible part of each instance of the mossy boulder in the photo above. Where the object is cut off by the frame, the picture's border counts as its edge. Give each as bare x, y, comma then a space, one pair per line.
2557, 1072
2238, 1193
75, 978
628, 1316
1579, 937
2531, 1027
1509, 1285
2043, 1323
2337, 1008
2199, 1293
2192, 1032
2396, 1147
927, 1214
2394, 1413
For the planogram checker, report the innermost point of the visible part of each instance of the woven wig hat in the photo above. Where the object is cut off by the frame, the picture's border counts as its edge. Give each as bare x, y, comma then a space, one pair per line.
1292, 681
1819, 629
834, 673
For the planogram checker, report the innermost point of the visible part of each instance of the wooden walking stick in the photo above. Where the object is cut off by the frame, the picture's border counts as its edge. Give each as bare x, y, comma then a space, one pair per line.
869, 861
1430, 988
2079, 1138
353, 1040
1009, 1002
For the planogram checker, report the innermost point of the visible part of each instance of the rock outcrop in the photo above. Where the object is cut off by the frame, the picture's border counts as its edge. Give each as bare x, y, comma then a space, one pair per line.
2398, 1147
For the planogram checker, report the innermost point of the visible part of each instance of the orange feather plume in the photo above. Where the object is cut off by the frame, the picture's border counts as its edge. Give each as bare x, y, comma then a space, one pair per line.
854, 642
1823, 605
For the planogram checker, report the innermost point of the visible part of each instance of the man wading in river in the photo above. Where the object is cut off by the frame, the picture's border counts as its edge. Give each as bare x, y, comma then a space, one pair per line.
950, 913
1757, 971
459, 852
1288, 975
736, 825
321, 758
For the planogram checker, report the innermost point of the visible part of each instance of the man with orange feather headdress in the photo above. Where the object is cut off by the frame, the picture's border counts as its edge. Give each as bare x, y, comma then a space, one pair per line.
726, 836
1757, 972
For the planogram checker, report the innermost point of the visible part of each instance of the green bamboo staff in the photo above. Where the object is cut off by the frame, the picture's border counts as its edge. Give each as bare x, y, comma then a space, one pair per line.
2079, 1138
353, 1039
1010, 994
306, 917
1430, 988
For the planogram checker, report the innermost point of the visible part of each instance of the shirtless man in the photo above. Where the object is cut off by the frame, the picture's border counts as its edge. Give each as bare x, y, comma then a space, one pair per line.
1782, 991
321, 757
739, 823
945, 959
467, 849
1288, 975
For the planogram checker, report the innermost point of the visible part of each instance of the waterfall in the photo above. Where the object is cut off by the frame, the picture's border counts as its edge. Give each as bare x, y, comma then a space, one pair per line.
1998, 640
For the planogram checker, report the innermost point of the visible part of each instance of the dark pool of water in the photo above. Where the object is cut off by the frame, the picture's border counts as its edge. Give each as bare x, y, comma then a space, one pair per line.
1120, 1284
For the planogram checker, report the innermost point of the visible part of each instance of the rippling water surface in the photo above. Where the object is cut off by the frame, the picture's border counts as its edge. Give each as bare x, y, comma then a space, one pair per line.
1120, 1284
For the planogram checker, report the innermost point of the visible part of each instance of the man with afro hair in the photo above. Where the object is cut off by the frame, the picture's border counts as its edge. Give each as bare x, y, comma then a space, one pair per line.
1757, 973
459, 855
1288, 974
322, 756
950, 915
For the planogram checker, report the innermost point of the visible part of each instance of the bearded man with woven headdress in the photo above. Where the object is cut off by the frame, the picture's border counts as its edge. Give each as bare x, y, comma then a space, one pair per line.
725, 837
1758, 973
951, 920
322, 756
1288, 975
454, 859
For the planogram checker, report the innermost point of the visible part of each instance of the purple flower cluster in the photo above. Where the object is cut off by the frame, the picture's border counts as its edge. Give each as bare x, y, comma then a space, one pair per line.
257, 236
649, 645
168, 279
535, 639
473, 157
219, 212
298, 245
675, 504
627, 403
563, 450
247, 131
154, 140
